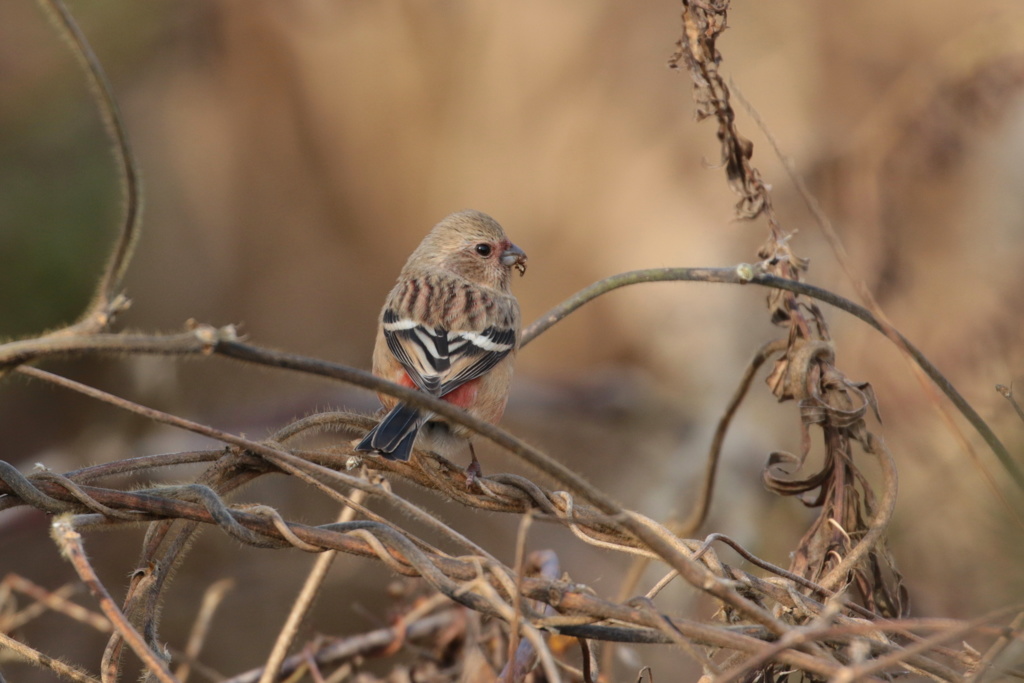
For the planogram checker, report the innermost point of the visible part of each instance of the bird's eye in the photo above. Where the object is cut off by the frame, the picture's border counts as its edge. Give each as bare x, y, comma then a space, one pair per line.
484, 250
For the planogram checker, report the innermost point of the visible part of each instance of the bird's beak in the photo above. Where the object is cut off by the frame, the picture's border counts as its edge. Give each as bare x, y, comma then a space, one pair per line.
514, 256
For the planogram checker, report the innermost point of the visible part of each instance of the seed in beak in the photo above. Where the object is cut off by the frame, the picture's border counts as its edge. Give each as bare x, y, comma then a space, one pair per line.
515, 257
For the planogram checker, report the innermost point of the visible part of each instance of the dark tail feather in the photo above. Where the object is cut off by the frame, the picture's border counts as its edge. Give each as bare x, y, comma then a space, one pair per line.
404, 448
393, 437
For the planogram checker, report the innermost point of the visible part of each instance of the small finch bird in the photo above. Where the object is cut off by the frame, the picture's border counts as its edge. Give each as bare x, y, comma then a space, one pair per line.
450, 328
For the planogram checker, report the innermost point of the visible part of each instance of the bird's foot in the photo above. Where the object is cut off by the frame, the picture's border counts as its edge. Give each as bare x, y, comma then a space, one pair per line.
473, 472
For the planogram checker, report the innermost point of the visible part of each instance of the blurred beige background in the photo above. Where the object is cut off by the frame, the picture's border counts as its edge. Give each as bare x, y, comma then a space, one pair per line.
294, 152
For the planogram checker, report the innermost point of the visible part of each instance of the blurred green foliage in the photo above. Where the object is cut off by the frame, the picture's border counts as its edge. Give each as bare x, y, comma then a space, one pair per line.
59, 195
59, 204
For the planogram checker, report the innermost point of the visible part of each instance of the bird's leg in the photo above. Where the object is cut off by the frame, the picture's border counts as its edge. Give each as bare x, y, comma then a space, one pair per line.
474, 470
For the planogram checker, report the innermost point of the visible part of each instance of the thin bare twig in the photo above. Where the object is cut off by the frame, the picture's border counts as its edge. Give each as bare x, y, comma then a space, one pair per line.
108, 300
906, 654
43, 599
698, 514
748, 274
199, 340
304, 601
70, 543
885, 326
207, 608
1007, 393
342, 649
518, 665
33, 656
1010, 634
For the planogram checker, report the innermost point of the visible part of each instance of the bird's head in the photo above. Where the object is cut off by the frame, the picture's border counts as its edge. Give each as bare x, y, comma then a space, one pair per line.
473, 245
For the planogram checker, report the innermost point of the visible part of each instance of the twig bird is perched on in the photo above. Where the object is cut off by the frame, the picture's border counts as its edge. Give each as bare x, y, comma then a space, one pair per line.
450, 328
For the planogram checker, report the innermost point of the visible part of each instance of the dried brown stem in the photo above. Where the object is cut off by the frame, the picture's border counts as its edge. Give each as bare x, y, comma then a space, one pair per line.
108, 300
43, 599
302, 604
411, 561
33, 656
698, 514
201, 628
70, 543
344, 649
885, 326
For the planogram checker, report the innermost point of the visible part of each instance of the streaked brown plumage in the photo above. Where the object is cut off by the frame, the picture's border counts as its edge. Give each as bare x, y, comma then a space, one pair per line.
449, 327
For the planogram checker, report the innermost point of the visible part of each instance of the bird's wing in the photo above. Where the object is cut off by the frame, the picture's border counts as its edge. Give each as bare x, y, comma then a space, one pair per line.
438, 360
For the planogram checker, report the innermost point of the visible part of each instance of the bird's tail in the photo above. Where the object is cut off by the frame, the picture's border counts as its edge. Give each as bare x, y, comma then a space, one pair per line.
393, 437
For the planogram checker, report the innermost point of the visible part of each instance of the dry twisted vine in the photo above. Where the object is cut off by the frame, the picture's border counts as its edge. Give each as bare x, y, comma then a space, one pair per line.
577, 609
845, 545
